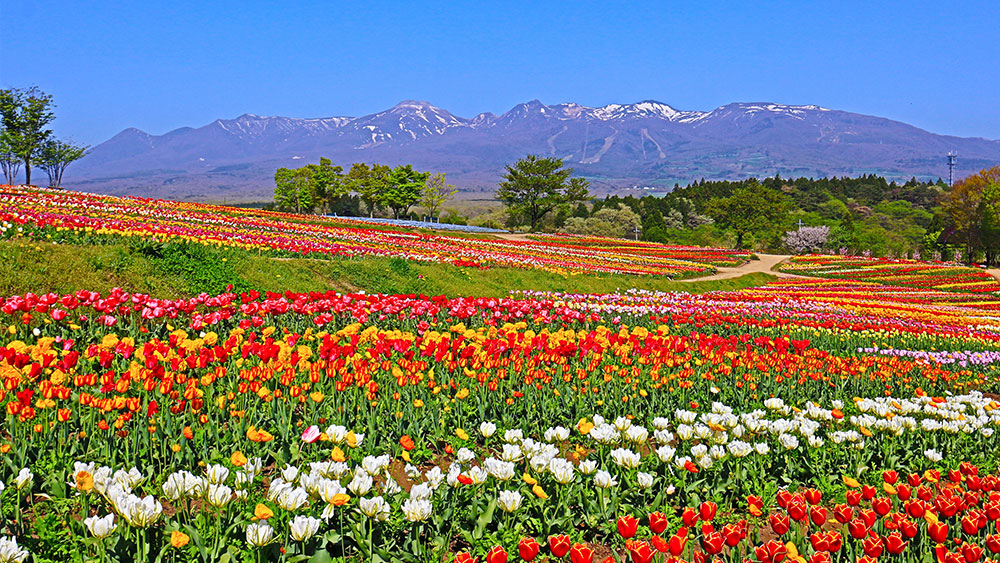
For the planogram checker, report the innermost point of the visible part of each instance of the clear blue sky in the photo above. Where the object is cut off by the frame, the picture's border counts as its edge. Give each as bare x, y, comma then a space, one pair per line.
162, 65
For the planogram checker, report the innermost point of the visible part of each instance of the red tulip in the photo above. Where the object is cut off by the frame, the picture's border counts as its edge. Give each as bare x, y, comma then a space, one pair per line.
813, 496
895, 544
858, 528
993, 543
970, 523
924, 493
972, 552
904, 492
660, 544
712, 543
908, 528
818, 515
797, 510
835, 540
779, 523
496, 555
820, 557
890, 477
914, 479
677, 543
938, 532
783, 498
707, 510
559, 545
873, 546
968, 469
464, 557
689, 517
641, 552
627, 526
853, 497
882, 505
869, 516
916, 508
843, 513
954, 476
771, 552
868, 492
732, 534
581, 554
528, 549
819, 541
657, 522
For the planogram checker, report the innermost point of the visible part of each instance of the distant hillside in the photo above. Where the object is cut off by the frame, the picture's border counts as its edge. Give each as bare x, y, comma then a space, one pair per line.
615, 146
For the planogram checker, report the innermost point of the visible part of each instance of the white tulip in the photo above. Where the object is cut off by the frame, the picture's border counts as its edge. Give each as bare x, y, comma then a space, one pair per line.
303, 527
260, 533
375, 508
509, 501
604, 480
100, 527
416, 510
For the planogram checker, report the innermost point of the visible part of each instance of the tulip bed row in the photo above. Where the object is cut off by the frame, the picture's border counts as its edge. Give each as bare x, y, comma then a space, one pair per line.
893, 271
713, 256
73, 217
414, 428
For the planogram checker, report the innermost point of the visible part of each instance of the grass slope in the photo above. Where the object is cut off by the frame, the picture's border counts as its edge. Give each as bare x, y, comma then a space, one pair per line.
181, 270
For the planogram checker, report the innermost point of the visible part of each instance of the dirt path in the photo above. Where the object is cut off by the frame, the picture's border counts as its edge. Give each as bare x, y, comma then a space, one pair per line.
765, 265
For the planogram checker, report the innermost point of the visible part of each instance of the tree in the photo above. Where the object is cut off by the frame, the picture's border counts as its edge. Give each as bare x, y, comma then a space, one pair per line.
750, 210
9, 161
403, 188
293, 189
56, 155
535, 186
436, 193
368, 183
970, 204
807, 239
25, 114
328, 183
619, 222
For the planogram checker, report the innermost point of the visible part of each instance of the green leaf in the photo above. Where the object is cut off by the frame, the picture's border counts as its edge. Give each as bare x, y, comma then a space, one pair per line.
484, 519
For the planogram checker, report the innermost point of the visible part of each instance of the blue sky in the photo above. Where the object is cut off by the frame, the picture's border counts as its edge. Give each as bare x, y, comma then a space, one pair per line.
162, 65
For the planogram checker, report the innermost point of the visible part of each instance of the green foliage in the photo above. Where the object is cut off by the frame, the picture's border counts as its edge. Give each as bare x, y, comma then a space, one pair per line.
534, 186
437, 191
25, 115
751, 210
294, 189
56, 155
404, 187
607, 222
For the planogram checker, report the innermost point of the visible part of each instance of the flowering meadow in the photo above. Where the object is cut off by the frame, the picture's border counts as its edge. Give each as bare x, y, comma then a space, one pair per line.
895, 271
841, 417
79, 218
812, 419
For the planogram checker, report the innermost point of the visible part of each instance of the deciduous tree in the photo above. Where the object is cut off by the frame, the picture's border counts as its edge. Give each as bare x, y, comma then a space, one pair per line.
751, 210
25, 115
56, 155
403, 188
535, 186
436, 192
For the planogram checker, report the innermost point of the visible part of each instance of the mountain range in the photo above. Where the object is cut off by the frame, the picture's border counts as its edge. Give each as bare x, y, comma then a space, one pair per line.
618, 147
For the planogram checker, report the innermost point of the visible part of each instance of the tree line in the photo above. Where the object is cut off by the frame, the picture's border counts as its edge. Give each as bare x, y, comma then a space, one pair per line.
26, 140
325, 188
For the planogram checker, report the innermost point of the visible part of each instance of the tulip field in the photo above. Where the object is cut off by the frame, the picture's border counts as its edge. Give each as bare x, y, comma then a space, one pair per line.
77, 218
824, 418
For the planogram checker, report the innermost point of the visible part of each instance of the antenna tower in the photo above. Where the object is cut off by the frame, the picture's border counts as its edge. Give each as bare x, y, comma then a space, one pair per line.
952, 160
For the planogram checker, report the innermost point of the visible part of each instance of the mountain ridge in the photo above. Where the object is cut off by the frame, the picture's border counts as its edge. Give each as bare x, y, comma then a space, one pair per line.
647, 143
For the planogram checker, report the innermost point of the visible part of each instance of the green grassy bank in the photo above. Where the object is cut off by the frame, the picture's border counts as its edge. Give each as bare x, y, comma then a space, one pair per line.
180, 270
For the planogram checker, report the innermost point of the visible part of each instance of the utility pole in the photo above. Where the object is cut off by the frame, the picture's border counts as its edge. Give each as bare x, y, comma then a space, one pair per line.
952, 160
